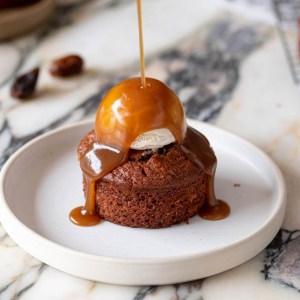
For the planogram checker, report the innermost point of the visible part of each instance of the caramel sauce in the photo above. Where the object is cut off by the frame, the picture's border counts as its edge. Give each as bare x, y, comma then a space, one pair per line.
215, 212
126, 111
129, 109
142, 57
197, 148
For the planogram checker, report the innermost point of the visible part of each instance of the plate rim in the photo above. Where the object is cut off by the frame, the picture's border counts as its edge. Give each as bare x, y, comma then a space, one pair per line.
278, 211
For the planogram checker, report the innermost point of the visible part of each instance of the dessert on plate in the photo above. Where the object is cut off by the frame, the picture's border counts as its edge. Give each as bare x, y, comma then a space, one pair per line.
142, 165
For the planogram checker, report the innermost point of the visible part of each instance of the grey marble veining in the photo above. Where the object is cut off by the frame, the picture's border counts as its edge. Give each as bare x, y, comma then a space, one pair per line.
208, 68
282, 262
212, 66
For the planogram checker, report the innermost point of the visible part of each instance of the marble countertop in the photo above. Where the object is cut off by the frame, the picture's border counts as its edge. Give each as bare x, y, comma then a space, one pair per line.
224, 60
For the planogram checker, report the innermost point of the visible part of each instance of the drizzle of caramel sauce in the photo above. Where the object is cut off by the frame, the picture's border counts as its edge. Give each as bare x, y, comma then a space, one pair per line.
197, 148
127, 111
141, 42
133, 107
218, 211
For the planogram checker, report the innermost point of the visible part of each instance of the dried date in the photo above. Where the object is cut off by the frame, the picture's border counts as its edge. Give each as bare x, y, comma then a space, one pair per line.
24, 85
66, 66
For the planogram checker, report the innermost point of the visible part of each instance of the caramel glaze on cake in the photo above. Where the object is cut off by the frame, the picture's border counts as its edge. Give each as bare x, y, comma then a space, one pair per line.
145, 189
153, 189
127, 111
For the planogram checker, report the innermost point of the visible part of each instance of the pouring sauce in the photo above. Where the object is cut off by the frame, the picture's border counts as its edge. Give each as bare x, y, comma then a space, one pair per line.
129, 109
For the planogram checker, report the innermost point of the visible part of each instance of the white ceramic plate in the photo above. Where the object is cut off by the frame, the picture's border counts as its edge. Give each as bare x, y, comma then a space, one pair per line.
41, 183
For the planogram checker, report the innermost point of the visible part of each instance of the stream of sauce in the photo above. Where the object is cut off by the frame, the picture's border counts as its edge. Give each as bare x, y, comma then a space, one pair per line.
133, 107
142, 56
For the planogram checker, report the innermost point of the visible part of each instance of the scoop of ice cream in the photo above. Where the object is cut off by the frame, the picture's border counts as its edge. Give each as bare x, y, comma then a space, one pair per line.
153, 139
130, 110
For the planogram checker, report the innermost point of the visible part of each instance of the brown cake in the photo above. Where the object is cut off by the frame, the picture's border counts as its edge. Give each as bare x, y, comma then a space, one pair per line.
136, 176
142, 165
153, 189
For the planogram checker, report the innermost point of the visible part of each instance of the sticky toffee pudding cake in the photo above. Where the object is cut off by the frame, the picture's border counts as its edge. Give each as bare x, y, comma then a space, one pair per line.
142, 165
152, 187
